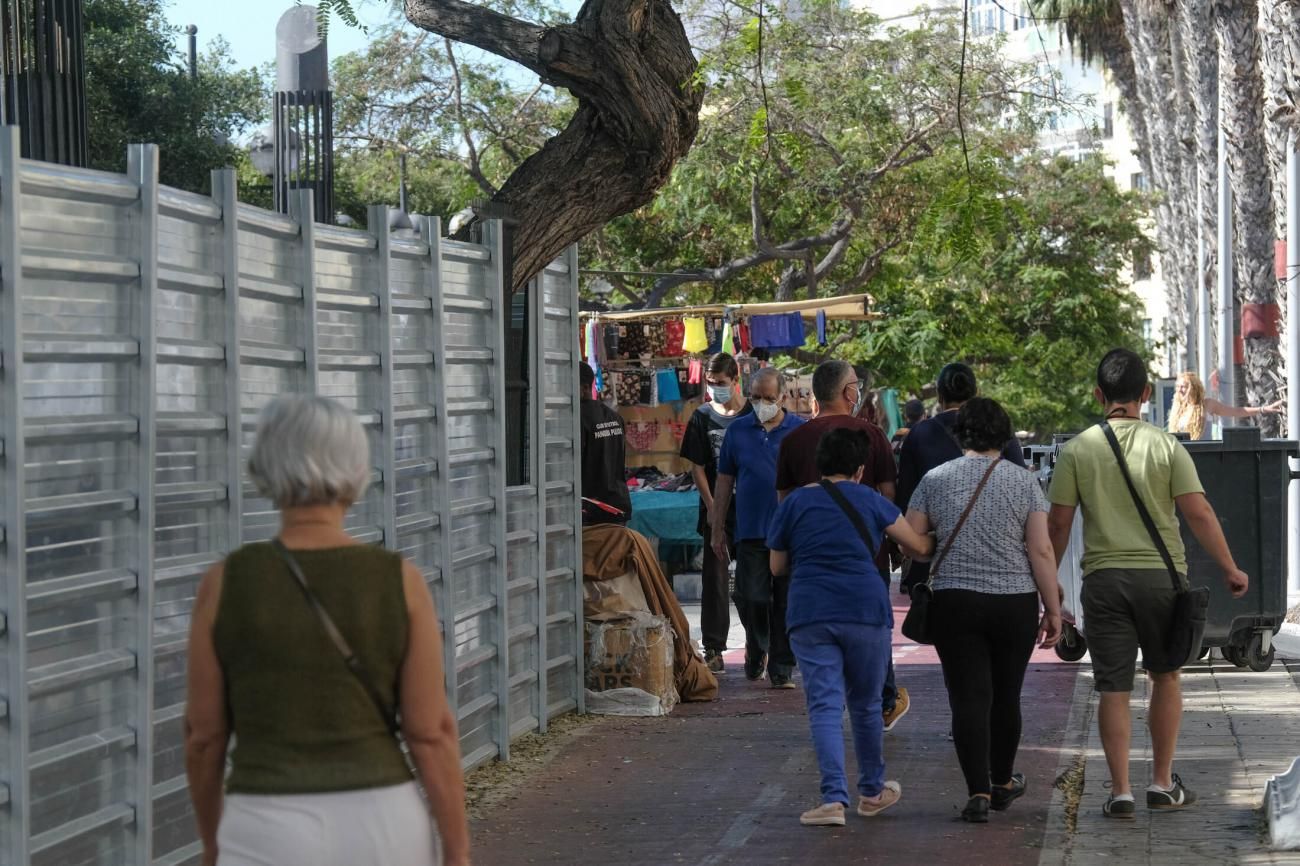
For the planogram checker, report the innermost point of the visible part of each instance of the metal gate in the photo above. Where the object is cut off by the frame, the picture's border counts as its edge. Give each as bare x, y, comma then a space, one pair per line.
141, 331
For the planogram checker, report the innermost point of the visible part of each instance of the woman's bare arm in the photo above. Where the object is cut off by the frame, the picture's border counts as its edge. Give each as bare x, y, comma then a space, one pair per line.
428, 722
1223, 410
916, 544
1042, 561
207, 726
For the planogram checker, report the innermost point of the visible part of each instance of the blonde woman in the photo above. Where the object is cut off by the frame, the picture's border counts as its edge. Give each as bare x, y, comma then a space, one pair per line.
1191, 406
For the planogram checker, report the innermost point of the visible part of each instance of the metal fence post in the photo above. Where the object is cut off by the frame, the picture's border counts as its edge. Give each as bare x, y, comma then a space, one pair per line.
17, 795
377, 218
306, 216
537, 459
142, 166
580, 623
225, 190
432, 233
496, 292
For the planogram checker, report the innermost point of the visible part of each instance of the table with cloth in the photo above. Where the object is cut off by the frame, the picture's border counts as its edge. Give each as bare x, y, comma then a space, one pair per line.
671, 519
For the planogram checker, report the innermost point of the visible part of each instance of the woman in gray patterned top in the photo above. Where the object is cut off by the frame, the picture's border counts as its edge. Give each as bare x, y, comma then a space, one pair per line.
987, 587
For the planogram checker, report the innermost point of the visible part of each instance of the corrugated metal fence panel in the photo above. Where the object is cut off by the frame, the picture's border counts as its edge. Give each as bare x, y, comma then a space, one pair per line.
141, 331
560, 432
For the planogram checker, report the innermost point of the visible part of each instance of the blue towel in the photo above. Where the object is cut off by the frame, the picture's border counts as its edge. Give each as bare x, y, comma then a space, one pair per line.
782, 331
821, 327
669, 392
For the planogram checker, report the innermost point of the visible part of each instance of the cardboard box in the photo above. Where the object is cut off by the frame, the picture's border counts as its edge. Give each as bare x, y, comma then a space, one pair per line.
635, 652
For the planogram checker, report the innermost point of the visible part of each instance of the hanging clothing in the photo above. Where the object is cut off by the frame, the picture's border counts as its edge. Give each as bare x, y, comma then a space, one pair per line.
696, 373
668, 390
781, 331
821, 327
742, 333
695, 339
674, 336
728, 343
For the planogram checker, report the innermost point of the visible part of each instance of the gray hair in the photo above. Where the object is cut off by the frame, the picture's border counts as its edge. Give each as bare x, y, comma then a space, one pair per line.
764, 374
309, 451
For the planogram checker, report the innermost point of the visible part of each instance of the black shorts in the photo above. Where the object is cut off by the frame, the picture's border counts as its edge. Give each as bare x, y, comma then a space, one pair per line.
1124, 609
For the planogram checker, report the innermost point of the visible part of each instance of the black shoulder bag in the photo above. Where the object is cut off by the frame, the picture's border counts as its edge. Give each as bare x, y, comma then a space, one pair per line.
1187, 626
388, 714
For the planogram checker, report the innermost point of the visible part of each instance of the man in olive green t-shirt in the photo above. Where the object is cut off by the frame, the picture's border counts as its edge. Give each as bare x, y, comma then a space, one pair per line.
1128, 597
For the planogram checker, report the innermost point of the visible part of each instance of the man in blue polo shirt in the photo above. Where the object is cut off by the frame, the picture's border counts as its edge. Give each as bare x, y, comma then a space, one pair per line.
747, 466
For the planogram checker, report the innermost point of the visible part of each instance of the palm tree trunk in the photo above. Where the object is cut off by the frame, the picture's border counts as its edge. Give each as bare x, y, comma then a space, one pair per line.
1186, 146
1201, 63
1280, 29
1236, 22
1148, 33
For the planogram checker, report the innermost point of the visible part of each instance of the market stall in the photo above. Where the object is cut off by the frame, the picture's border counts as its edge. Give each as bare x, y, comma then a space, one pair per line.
650, 365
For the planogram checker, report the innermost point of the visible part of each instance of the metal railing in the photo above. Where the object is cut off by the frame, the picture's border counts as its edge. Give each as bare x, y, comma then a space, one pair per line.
142, 329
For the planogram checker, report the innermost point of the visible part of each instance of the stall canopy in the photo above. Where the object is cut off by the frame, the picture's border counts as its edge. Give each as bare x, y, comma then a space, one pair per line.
846, 308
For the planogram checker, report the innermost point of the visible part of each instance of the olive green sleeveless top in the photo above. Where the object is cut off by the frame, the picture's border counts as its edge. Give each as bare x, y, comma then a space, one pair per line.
302, 722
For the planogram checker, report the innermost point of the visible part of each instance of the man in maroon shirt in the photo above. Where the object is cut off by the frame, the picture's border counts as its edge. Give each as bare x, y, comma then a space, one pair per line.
840, 394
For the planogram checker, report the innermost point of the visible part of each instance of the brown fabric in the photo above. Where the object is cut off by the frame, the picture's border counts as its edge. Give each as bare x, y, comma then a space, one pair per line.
611, 551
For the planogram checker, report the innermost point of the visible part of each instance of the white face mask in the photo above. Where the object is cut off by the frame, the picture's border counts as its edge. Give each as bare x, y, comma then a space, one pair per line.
766, 411
720, 393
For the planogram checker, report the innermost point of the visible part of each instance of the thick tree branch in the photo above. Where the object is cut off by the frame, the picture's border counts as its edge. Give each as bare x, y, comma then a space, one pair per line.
481, 27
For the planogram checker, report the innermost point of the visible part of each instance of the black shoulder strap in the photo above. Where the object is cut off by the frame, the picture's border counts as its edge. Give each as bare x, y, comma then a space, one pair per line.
1150, 524
336, 637
852, 514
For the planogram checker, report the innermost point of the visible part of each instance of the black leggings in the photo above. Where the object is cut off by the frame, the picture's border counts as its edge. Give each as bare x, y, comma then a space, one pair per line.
984, 642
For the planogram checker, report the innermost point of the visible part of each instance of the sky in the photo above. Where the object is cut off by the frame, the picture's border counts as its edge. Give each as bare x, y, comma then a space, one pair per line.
249, 26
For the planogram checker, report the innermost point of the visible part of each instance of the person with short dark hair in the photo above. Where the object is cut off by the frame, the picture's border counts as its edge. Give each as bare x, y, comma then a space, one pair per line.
1128, 599
933, 443
702, 445
987, 587
839, 617
840, 393
604, 458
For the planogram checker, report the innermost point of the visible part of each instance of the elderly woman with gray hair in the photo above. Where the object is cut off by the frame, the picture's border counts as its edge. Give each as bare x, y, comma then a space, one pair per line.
318, 776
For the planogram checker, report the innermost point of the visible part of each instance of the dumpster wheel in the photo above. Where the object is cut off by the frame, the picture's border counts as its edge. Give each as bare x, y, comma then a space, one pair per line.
1071, 647
1255, 657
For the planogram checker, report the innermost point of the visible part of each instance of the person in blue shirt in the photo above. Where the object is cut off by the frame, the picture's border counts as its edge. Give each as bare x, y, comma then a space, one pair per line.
747, 467
839, 616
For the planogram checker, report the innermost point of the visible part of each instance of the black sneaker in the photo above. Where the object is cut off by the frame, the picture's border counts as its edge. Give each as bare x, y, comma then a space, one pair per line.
1003, 797
755, 666
1170, 801
781, 681
976, 811
1113, 808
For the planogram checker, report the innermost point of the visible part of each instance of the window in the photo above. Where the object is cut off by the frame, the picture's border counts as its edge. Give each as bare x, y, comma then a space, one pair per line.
1138, 182
1141, 265
1148, 339
1108, 120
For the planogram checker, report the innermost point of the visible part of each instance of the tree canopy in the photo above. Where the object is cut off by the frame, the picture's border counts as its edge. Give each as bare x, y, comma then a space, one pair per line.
138, 89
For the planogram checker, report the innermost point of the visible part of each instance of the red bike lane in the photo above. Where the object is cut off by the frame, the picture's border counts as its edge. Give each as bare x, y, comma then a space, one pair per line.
725, 782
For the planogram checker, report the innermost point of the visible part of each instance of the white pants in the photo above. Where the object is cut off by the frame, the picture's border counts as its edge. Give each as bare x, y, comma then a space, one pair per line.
389, 826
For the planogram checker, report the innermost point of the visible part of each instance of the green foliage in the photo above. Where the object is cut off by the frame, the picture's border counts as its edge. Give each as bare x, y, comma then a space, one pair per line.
1032, 313
138, 89
463, 123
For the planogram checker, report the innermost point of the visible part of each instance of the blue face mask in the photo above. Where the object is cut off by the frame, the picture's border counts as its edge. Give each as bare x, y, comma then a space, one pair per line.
720, 393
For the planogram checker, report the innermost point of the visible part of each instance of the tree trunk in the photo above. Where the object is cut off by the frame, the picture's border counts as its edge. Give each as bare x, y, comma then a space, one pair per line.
1148, 34
1186, 147
1201, 57
1236, 22
1280, 28
630, 66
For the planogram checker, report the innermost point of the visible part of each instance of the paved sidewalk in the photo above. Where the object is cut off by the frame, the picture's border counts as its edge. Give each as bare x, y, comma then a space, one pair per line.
724, 783
1239, 728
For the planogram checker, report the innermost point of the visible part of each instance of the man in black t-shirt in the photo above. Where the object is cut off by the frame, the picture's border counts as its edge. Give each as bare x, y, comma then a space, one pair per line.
701, 444
604, 455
